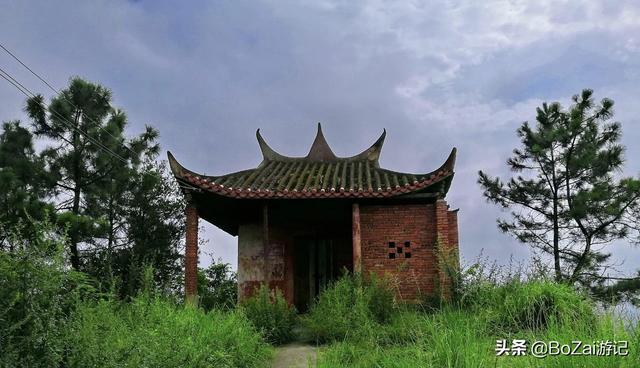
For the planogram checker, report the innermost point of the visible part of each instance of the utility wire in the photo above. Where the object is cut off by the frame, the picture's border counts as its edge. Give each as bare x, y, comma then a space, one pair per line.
55, 90
26, 94
64, 120
20, 87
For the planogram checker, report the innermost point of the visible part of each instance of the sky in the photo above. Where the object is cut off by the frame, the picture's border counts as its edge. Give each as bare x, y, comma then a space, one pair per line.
435, 74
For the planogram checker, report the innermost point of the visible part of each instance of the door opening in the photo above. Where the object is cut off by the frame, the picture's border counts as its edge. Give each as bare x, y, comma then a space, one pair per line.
317, 262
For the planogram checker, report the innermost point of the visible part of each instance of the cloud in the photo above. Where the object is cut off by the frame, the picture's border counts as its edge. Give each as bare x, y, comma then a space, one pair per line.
435, 74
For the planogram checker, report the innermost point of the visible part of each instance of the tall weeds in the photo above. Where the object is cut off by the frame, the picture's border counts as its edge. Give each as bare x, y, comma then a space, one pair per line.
51, 316
153, 332
270, 313
490, 304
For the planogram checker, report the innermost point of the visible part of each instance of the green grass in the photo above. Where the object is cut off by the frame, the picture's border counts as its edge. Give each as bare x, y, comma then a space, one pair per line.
465, 334
152, 332
51, 316
271, 315
455, 338
352, 307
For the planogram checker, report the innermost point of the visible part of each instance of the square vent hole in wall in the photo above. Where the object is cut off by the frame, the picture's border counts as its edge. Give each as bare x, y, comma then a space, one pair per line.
396, 251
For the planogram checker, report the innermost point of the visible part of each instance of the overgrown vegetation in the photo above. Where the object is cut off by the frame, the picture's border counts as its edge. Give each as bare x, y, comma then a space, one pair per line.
532, 305
463, 333
38, 296
350, 306
217, 287
153, 332
271, 315
51, 315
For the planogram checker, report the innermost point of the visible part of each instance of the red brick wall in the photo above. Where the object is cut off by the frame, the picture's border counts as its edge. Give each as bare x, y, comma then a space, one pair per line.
419, 224
453, 228
381, 224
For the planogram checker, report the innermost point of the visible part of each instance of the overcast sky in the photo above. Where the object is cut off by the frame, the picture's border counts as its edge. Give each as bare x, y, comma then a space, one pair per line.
435, 74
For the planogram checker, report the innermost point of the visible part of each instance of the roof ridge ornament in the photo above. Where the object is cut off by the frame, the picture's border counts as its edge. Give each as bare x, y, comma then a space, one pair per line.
268, 154
373, 153
320, 150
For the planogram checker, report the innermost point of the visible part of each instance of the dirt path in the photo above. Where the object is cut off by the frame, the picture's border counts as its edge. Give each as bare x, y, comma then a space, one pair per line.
295, 355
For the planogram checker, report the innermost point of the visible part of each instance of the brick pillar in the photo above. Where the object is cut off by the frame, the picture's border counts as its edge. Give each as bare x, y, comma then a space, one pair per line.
444, 246
356, 238
191, 253
453, 237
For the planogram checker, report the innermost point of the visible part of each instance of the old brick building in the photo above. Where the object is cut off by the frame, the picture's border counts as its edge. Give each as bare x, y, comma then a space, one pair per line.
301, 220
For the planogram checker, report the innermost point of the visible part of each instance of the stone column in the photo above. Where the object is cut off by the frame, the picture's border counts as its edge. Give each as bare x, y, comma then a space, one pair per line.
191, 253
356, 238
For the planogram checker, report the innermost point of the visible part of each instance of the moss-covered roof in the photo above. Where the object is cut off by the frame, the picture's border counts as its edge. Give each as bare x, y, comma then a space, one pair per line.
320, 174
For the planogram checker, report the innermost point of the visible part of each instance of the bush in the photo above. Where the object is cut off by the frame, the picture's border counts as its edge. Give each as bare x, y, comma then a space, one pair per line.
51, 317
38, 294
350, 306
271, 315
217, 287
151, 331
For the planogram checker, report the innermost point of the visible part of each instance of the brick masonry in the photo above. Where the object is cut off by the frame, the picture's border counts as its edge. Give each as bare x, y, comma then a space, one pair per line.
415, 266
419, 275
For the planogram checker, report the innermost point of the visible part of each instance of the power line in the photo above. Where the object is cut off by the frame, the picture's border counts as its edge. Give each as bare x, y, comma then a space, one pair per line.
20, 87
55, 90
17, 86
64, 120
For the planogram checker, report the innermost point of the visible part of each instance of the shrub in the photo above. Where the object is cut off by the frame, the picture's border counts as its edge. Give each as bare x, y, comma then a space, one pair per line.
350, 306
38, 293
51, 317
271, 315
151, 331
217, 287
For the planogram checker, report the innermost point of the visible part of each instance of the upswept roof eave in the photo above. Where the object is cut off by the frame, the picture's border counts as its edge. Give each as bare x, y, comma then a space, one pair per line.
180, 172
212, 183
448, 165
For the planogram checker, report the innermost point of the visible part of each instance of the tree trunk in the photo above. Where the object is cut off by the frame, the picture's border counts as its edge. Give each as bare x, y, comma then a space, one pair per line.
556, 240
75, 257
581, 261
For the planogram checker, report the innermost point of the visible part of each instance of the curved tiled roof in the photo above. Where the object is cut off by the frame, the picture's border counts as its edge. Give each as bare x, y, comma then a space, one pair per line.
320, 174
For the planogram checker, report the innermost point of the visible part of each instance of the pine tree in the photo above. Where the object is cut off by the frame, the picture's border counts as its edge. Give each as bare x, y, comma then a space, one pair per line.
152, 231
75, 121
566, 200
24, 183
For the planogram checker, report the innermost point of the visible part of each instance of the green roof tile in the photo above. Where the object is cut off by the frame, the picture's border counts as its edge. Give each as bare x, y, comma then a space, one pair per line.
319, 174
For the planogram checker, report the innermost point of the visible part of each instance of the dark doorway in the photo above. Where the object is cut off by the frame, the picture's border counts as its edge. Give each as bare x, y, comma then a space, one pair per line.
317, 262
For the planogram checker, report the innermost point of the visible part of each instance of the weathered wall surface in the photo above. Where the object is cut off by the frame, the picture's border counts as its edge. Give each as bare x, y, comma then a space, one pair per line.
250, 258
252, 264
401, 240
